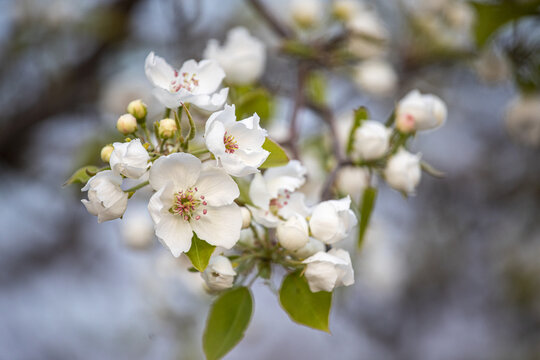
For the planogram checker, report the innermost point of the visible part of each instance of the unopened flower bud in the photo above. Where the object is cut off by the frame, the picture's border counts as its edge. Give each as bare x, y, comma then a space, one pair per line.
371, 140
246, 217
138, 109
126, 124
219, 274
312, 247
293, 233
306, 13
403, 171
167, 128
106, 152
418, 111
376, 77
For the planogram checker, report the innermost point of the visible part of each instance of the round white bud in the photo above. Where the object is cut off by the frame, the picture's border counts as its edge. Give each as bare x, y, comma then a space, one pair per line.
403, 171
371, 140
167, 128
246, 217
418, 111
219, 274
293, 233
126, 124
376, 77
138, 109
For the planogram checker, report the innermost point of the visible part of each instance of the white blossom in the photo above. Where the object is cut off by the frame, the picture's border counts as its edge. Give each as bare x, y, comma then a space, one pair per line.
403, 171
129, 159
293, 234
237, 145
190, 198
219, 274
353, 180
418, 111
242, 56
523, 119
272, 193
196, 83
376, 77
106, 200
371, 140
325, 271
332, 220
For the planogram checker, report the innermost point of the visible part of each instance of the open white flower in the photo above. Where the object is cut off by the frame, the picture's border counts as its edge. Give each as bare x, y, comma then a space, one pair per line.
219, 274
195, 83
106, 200
272, 193
371, 140
325, 271
332, 220
418, 111
293, 234
242, 56
237, 145
129, 159
403, 171
190, 198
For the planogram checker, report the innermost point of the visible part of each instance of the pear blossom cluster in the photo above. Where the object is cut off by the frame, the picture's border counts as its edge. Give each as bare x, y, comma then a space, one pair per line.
222, 193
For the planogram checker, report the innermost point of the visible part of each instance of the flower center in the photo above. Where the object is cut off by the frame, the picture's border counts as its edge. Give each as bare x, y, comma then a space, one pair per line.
230, 144
185, 80
186, 203
280, 201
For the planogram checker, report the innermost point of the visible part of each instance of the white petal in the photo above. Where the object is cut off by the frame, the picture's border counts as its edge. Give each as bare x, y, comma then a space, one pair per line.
210, 77
321, 276
295, 205
214, 138
161, 201
264, 217
220, 226
158, 71
217, 187
289, 177
210, 103
167, 98
180, 168
226, 116
258, 192
324, 222
174, 233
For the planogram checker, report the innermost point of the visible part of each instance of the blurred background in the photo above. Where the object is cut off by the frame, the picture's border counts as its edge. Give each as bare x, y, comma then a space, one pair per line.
451, 273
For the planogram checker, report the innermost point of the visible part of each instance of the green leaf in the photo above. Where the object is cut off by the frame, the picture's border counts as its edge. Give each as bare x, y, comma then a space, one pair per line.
257, 100
316, 88
82, 175
302, 305
360, 115
490, 17
227, 322
277, 156
199, 253
368, 203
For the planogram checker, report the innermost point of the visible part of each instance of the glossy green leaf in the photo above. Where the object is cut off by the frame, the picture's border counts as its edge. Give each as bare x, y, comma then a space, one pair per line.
277, 156
199, 253
302, 305
490, 17
82, 175
360, 115
227, 322
368, 203
257, 100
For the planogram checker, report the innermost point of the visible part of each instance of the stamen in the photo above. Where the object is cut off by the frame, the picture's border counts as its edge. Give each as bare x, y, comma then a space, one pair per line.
186, 203
230, 143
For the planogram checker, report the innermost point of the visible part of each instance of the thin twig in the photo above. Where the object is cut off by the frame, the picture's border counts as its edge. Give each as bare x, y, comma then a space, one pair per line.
292, 141
279, 28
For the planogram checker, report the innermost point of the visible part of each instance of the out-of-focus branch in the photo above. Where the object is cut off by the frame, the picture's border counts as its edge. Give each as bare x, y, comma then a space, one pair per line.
292, 141
279, 28
75, 86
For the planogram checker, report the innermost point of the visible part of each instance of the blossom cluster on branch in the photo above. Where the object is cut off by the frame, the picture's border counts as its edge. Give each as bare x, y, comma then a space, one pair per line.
231, 200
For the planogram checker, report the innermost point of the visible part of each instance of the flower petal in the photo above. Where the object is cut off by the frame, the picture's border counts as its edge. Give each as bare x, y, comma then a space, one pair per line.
289, 177
217, 187
174, 233
158, 71
180, 168
210, 77
258, 192
210, 103
220, 226
324, 222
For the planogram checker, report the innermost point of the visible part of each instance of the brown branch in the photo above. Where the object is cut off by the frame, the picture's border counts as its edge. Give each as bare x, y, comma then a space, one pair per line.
292, 141
279, 28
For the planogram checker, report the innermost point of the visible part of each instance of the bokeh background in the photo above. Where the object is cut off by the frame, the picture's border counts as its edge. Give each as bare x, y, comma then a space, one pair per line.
451, 273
